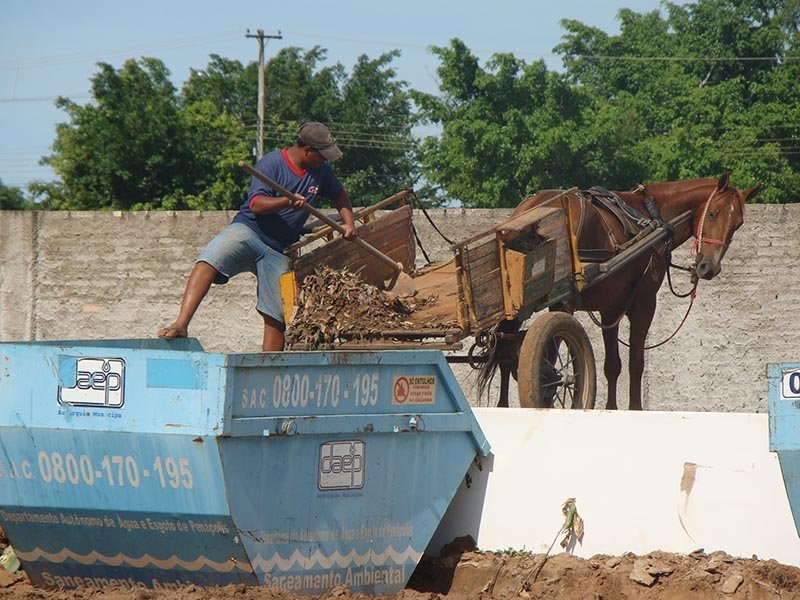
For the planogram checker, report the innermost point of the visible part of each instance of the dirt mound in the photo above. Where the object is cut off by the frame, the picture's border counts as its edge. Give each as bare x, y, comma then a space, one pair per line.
657, 576
464, 574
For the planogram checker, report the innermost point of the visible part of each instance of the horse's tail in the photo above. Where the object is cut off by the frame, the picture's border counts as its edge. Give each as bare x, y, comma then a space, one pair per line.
487, 369
497, 349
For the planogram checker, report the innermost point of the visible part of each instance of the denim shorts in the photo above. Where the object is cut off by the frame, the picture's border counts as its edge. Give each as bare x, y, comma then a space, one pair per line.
237, 249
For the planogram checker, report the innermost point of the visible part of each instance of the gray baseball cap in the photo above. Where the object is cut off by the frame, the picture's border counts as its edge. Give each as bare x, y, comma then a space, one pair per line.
319, 137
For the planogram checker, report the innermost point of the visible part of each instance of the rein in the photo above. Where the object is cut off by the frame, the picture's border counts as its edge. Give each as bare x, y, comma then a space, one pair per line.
691, 294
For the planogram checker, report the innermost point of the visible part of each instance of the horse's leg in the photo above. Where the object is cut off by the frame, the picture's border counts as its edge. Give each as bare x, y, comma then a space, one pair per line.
505, 374
612, 365
640, 316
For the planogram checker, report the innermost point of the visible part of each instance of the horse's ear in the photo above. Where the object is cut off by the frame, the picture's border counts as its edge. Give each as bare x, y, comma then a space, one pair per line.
751, 193
724, 179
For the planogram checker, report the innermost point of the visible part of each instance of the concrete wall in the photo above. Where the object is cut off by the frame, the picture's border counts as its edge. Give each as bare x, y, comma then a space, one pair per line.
674, 482
89, 275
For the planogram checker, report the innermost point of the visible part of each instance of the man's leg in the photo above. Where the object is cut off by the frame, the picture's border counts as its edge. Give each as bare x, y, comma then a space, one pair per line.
269, 268
273, 335
197, 287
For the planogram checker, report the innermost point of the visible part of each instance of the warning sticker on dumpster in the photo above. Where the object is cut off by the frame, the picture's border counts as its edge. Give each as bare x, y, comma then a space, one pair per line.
414, 390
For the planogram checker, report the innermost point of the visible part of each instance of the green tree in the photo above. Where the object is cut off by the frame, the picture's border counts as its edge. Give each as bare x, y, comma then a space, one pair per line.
142, 145
368, 110
374, 130
211, 177
228, 85
710, 87
507, 130
125, 150
12, 198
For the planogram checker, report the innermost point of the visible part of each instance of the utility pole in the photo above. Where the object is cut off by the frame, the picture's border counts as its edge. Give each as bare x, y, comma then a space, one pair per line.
261, 37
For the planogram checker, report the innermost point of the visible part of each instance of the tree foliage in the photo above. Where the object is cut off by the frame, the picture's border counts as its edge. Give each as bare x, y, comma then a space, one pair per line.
141, 144
12, 198
672, 97
126, 149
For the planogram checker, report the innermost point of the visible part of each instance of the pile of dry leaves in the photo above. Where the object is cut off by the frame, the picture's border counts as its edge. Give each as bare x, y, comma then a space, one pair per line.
337, 304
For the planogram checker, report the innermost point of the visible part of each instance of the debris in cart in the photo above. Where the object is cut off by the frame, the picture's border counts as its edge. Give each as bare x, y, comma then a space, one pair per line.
331, 302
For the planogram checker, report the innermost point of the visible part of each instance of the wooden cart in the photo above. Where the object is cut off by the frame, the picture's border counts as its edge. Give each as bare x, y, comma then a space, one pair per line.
496, 280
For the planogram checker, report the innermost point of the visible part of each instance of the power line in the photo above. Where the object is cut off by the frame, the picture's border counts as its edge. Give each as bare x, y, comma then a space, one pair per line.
60, 59
44, 98
686, 58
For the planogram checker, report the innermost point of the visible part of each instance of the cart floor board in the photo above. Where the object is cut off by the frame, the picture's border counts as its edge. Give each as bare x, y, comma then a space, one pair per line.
440, 280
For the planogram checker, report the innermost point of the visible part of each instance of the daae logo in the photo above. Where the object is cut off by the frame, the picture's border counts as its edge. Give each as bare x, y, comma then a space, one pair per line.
98, 382
341, 465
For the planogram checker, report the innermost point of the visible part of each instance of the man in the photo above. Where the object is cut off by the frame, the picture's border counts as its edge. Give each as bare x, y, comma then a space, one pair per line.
264, 226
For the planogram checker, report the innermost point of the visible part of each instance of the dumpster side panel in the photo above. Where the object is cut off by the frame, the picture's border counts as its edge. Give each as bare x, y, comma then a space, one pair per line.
88, 386
358, 391
82, 508
353, 510
350, 459
109, 464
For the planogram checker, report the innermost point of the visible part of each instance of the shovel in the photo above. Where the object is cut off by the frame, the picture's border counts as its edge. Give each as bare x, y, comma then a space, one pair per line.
401, 283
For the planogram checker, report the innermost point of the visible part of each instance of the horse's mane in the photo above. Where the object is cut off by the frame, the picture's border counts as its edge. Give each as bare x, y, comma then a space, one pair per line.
680, 186
684, 183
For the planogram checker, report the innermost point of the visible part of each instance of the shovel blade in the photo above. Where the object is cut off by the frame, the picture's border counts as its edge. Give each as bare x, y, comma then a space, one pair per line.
401, 284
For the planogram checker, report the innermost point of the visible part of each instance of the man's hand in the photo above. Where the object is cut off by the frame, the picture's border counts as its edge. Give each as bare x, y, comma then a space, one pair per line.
296, 202
349, 231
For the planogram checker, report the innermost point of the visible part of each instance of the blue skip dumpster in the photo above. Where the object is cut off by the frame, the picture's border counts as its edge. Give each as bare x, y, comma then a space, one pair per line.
147, 463
784, 428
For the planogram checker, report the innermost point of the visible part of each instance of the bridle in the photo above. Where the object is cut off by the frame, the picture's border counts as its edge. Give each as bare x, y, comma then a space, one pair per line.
699, 240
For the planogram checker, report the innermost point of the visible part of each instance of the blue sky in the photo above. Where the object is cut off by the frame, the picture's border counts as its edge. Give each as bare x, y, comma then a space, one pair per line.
50, 48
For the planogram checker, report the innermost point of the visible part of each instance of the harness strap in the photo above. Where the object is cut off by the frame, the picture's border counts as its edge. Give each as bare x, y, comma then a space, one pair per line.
609, 231
634, 223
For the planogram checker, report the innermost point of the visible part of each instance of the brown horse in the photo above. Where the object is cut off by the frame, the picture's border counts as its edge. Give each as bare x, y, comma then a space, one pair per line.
717, 211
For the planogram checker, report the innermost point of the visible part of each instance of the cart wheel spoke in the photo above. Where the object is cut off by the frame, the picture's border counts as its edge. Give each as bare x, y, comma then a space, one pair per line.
571, 393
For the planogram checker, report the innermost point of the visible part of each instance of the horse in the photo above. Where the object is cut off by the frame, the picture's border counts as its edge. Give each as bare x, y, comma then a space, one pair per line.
717, 211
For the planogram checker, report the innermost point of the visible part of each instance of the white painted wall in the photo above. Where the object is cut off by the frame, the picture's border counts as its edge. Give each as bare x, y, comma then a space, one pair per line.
631, 475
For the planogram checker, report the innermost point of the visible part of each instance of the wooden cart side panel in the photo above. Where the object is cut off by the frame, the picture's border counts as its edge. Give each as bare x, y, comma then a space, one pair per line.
483, 258
481, 281
364, 215
536, 255
352, 257
554, 227
391, 233
550, 222
529, 275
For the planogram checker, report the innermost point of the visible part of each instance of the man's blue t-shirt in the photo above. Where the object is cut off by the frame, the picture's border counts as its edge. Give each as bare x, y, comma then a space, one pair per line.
280, 229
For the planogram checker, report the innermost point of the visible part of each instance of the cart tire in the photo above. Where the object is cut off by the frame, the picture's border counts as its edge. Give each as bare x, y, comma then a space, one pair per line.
556, 364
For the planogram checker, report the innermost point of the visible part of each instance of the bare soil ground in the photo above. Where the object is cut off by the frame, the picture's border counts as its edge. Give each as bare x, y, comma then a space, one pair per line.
461, 573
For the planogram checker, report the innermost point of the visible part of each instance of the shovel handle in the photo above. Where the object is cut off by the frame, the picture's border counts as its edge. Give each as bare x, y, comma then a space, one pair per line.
322, 217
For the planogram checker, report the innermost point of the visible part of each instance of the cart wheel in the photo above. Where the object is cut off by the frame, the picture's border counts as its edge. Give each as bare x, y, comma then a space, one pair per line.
556, 364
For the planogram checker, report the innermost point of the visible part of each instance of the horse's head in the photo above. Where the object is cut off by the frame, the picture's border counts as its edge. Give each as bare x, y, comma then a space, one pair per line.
716, 220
